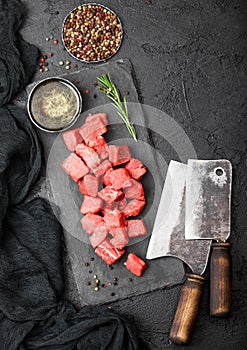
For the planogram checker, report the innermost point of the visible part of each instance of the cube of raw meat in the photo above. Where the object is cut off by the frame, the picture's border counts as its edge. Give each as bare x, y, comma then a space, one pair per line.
108, 253
122, 204
108, 194
114, 219
89, 156
135, 265
106, 178
120, 238
102, 168
134, 189
119, 154
98, 236
90, 222
100, 146
118, 178
136, 169
89, 185
133, 208
71, 139
110, 206
91, 205
75, 167
92, 128
136, 228
97, 117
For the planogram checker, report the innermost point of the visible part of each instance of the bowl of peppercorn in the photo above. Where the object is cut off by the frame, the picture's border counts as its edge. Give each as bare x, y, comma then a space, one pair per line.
92, 33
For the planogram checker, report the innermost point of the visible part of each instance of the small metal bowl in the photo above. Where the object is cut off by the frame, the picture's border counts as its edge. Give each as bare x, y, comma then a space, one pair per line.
37, 108
92, 61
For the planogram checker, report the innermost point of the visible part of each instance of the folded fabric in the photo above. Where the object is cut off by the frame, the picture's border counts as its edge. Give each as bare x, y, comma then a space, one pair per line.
33, 314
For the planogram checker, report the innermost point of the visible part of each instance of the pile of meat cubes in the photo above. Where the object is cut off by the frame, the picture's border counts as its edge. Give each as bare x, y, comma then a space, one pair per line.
112, 193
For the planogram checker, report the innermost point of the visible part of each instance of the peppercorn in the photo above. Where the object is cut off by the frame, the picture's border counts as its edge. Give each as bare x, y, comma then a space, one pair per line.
42, 59
61, 63
110, 267
86, 91
90, 271
96, 289
112, 294
86, 264
92, 259
67, 67
115, 283
55, 41
95, 276
76, 65
47, 39
88, 283
130, 279
45, 63
41, 70
50, 54
115, 279
46, 69
67, 62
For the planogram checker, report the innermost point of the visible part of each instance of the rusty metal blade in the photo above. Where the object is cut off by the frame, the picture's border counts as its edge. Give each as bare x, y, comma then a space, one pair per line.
168, 238
208, 199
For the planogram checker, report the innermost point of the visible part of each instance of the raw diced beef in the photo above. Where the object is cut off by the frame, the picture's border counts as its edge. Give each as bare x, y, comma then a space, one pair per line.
91, 205
102, 168
89, 185
92, 128
90, 222
108, 253
119, 154
97, 117
98, 236
134, 189
110, 206
122, 204
118, 178
108, 194
89, 156
136, 169
71, 139
106, 178
120, 238
114, 219
100, 146
75, 167
136, 228
133, 208
135, 265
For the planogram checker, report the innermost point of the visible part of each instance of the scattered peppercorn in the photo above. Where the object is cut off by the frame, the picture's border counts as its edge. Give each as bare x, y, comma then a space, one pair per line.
103, 285
61, 63
96, 289
86, 264
110, 267
115, 283
67, 62
46, 69
50, 54
112, 294
45, 63
88, 283
86, 91
92, 33
95, 84
67, 67
109, 283
95, 95
41, 70
92, 259
115, 279
51, 37
127, 93
76, 65
47, 39
130, 279
94, 276
45, 57
90, 271
97, 281
42, 59
55, 41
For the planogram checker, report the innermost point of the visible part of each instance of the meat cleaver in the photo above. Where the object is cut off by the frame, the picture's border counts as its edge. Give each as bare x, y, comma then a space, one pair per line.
208, 206
168, 239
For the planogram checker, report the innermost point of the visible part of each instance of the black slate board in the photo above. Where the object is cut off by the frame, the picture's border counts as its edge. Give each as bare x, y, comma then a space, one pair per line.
60, 190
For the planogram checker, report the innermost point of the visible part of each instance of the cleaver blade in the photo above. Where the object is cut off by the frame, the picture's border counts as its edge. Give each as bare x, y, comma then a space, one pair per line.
208, 214
208, 199
168, 239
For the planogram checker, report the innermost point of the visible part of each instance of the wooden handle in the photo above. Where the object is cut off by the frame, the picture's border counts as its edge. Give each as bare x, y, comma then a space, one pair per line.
187, 309
220, 280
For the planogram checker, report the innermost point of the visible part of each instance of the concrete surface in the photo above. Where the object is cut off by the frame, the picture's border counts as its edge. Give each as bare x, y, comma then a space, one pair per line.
190, 61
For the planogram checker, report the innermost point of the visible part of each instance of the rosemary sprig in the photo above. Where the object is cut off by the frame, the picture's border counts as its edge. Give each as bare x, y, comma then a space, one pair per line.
109, 88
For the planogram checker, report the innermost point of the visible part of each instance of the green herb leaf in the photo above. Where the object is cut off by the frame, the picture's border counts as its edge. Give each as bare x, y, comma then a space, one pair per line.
110, 90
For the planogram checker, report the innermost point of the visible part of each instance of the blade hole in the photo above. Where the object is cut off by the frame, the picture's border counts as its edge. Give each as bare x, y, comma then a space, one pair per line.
219, 172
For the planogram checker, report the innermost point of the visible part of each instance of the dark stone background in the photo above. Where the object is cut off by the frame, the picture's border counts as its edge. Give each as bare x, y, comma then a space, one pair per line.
189, 58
